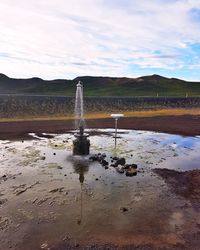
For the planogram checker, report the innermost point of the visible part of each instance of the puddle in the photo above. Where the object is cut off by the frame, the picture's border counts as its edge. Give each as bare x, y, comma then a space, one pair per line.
49, 199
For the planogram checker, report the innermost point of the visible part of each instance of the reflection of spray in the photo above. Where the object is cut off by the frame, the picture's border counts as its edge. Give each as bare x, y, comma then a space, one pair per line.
81, 166
81, 211
81, 179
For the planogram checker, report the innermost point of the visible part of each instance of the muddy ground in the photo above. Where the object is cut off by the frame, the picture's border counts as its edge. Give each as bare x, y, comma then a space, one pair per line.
185, 184
183, 125
41, 192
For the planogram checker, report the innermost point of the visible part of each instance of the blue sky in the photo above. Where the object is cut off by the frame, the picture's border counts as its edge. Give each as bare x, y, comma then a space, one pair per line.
65, 39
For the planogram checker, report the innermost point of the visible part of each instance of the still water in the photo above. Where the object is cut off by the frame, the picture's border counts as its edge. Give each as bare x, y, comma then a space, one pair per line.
48, 197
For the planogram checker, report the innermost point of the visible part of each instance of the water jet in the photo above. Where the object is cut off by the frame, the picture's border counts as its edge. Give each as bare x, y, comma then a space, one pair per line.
81, 145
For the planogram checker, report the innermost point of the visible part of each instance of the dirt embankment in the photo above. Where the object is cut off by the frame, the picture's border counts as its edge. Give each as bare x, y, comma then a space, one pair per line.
184, 124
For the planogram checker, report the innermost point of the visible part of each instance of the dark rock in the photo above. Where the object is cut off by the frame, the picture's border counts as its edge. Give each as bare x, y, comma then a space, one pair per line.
127, 166
106, 167
104, 163
115, 158
121, 161
96, 179
102, 157
114, 165
54, 153
131, 172
120, 169
134, 166
95, 157
124, 209
99, 157
91, 158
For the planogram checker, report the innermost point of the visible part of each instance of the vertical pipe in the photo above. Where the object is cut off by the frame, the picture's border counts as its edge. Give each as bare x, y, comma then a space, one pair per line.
81, 215
116, 132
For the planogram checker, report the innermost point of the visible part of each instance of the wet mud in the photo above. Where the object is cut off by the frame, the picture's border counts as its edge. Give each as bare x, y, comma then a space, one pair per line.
185, 184
52, 200
177, 124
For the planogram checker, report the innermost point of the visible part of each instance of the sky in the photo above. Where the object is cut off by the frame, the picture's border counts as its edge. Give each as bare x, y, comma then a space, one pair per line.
69, 38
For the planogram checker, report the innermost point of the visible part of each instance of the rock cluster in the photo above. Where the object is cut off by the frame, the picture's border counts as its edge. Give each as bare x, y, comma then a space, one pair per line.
100, 158
118, 163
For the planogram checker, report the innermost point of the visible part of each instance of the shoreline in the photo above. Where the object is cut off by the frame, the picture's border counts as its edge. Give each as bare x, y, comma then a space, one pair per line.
102, 115
186, 125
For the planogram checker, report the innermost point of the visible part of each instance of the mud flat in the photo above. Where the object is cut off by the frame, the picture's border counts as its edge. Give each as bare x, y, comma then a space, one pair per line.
179, 124
51, 200
185, 184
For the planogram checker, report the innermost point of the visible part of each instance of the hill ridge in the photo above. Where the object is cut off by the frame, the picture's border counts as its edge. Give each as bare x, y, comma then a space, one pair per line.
150, 85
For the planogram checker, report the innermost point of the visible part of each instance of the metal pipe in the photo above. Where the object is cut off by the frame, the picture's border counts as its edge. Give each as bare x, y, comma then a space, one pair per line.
116, 119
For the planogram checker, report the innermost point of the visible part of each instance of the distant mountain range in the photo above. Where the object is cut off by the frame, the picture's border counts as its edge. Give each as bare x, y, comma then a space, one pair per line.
101, 86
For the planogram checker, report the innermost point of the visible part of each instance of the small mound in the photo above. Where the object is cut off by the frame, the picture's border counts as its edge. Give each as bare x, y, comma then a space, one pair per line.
186, 184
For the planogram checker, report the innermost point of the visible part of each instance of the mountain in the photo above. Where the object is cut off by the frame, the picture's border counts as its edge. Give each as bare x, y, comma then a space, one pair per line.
101, 86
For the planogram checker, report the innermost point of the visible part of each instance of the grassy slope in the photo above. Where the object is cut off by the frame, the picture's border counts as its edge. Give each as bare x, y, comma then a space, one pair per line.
102, 86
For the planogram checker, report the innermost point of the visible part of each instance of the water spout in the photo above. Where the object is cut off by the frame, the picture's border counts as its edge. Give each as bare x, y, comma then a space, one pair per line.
81, 145
79, 109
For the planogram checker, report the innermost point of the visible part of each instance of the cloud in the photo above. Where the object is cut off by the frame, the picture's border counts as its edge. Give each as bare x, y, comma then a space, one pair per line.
64, 39
194, 14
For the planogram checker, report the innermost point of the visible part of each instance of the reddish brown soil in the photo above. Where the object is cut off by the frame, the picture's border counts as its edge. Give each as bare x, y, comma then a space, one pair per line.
184, 125
185, 184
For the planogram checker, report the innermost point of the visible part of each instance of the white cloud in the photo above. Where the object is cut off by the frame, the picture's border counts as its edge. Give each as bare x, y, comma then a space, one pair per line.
62, 39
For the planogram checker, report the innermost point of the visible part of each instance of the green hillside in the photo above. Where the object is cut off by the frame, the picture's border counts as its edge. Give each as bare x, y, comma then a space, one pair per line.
101, 86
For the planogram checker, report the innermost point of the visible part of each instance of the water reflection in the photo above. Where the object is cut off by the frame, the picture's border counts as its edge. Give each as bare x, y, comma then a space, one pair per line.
180, 141
94, 202
81, 167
